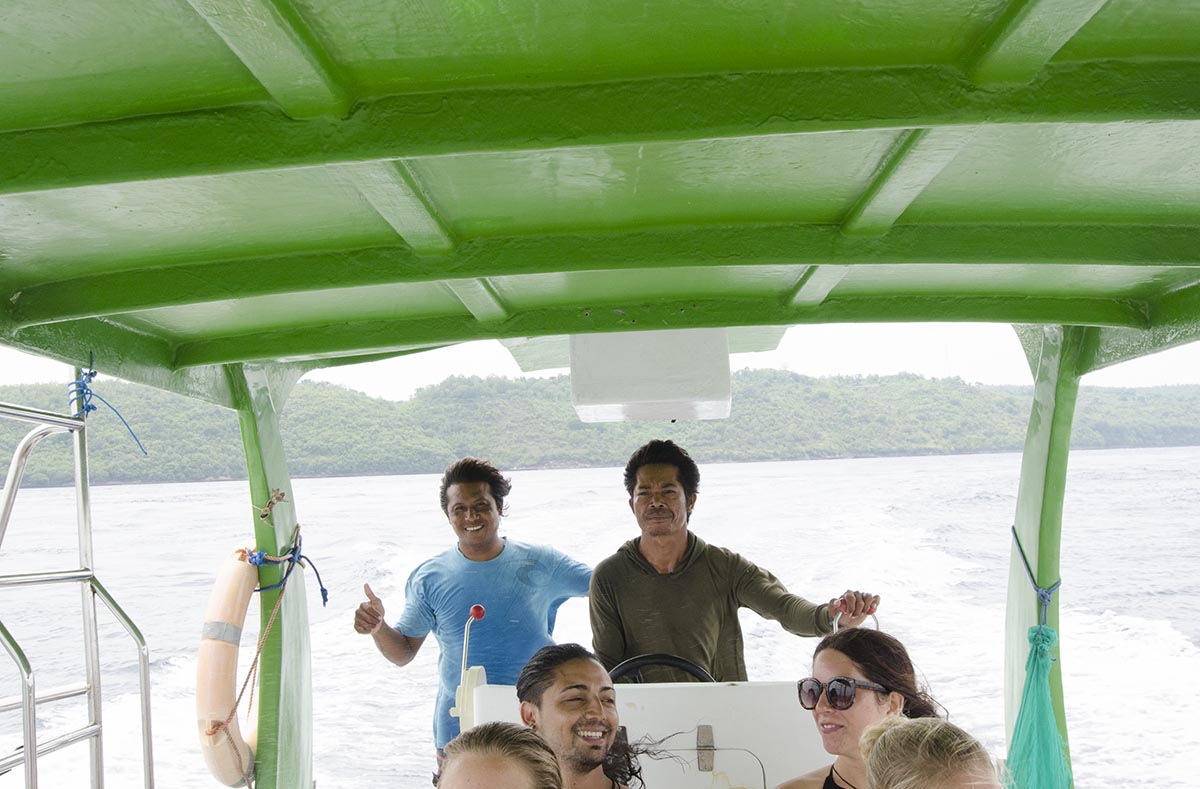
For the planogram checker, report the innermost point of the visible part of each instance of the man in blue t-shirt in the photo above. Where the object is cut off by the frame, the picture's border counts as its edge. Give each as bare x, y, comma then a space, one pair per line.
520, 587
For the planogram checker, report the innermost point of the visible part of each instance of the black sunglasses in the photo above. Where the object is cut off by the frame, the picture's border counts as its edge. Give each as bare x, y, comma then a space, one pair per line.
839, 691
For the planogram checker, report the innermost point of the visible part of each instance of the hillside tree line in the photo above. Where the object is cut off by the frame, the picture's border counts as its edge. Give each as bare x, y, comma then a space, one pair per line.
529, 423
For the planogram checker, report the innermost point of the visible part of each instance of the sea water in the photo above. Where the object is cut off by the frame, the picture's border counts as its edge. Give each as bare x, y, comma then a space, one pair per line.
930, 534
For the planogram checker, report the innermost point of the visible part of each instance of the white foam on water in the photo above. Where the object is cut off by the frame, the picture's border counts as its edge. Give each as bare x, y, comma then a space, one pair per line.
1131, 691
929, 534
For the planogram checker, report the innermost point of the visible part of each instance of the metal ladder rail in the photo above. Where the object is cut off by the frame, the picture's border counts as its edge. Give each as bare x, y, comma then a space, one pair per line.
16, 469
29, 699
50, 424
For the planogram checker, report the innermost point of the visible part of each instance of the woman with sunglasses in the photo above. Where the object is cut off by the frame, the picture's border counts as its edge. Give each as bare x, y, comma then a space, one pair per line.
860, 676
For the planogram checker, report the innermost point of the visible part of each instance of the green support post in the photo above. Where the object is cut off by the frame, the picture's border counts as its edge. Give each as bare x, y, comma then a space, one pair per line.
1058, 361
283, 756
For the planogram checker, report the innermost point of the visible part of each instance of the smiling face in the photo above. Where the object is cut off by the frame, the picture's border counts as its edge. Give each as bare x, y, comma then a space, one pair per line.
659, 502
473, 515
577, 716
842, 729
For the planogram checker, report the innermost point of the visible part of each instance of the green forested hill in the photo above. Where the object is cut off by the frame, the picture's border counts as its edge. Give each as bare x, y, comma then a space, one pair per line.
529, 423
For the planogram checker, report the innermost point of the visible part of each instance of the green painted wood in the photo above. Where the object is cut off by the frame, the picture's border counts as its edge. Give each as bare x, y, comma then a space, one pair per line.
284, 698
427, 47
239, 315
133, 356
243, 138
733, 246
918, 156
1068, 174
1137, 29
393, 191
1059, 359
1027, 36
1175, 321
1140, 285
480, 298
1179, 310
786, 178
63, 234
272, 40
382, 336
68, 62
815, 285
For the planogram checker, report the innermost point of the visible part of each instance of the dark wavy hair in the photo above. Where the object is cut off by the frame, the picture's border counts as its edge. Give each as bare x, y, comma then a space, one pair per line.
538, 672
883, 660
621, 761
475, 470
669, 453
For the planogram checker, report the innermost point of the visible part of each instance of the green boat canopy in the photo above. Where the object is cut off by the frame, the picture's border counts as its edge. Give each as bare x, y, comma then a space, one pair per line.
216, 196
186, 185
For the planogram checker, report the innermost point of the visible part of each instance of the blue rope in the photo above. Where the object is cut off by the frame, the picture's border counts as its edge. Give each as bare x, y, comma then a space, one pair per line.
1044, 595
260, 559
81, 390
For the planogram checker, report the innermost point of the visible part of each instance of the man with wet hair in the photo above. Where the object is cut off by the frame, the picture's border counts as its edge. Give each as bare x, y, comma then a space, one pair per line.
568, 698
668, 591
520, 587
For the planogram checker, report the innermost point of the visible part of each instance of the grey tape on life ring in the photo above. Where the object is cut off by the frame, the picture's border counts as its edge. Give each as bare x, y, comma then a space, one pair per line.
222, 631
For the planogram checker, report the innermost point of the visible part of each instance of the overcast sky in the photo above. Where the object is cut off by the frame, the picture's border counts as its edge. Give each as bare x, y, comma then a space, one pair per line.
978, 353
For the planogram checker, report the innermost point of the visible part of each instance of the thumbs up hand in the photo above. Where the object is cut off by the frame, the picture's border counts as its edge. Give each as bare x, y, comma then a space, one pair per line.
369, 616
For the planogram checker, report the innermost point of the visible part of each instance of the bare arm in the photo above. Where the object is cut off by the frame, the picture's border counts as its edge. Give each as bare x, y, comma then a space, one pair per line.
395, 646
391, 643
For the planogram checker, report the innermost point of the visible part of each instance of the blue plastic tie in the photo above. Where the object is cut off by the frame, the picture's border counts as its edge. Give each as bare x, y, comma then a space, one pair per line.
81, 390
1044, 595
316, 572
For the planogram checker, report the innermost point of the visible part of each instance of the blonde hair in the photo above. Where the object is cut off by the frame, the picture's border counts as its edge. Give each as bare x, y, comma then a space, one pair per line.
512, 741
916, 753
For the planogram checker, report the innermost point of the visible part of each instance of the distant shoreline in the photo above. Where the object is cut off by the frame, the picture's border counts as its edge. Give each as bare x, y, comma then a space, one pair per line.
607, 466
529, 424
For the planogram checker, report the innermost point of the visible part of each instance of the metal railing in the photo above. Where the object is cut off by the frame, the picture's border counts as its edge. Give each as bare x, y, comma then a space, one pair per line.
90, 588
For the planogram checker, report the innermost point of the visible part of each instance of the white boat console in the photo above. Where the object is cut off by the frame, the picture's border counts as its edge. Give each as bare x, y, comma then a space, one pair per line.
725, 735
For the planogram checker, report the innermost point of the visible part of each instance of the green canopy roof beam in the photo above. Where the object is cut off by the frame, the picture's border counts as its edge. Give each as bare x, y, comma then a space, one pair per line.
1058, 360
1179, 310
394, 192
342, 361
1174, 323
284, 754
255, 137
910, 166
815, 285
274, 43
1027, 36
300, 342
480, 298
133, 356
739, 245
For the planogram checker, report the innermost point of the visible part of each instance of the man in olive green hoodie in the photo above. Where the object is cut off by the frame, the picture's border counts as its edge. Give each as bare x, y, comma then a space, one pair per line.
670, 592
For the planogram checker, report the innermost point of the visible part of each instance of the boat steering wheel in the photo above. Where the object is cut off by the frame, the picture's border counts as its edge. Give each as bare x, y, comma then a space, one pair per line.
633, 667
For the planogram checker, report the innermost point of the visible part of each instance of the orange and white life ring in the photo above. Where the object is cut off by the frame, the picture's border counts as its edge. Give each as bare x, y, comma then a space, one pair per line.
229, 756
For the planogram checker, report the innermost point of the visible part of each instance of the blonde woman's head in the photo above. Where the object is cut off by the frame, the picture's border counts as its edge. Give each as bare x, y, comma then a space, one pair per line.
499, 756
926, 753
